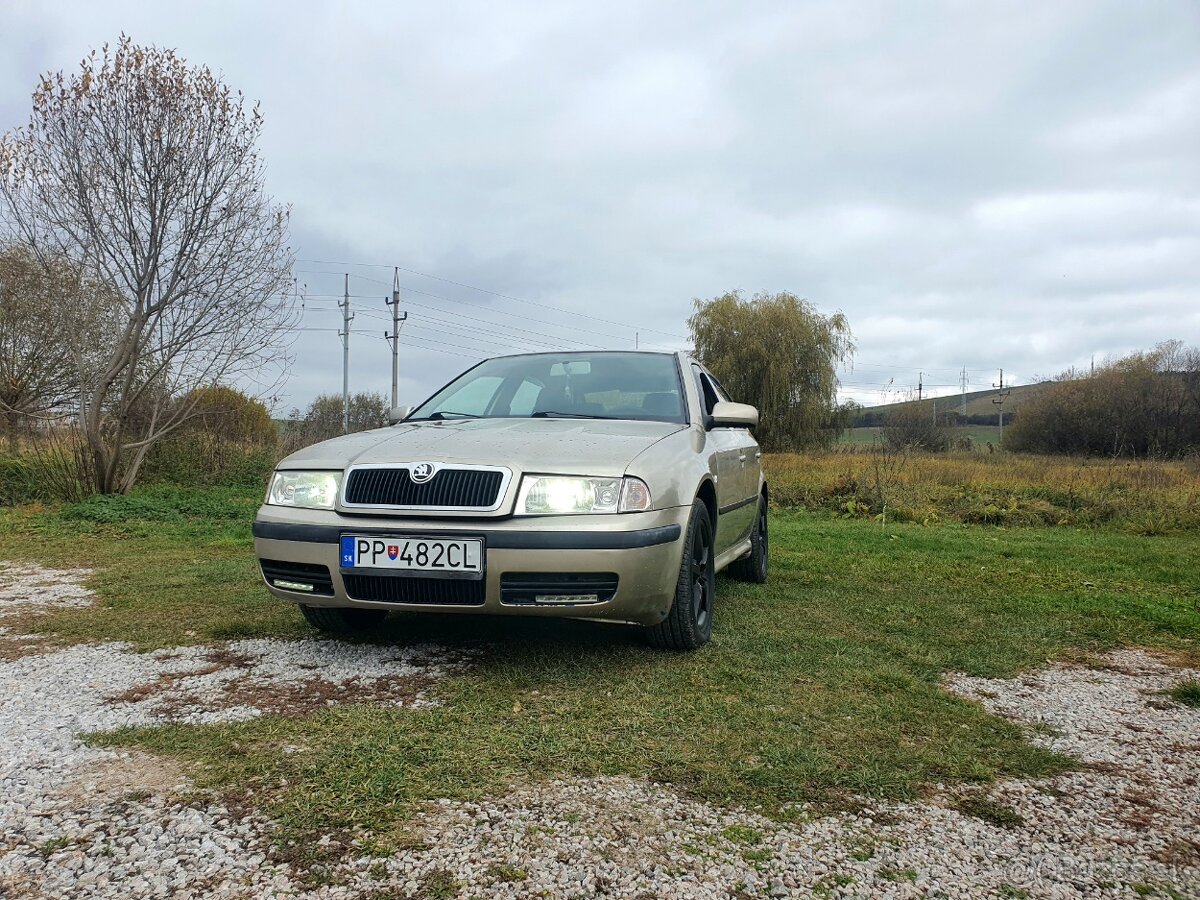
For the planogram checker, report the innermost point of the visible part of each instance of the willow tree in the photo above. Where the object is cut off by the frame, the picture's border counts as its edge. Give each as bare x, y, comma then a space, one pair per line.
143, 170
776, 352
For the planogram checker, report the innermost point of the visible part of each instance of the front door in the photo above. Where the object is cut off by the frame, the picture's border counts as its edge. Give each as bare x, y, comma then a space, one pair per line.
734, 452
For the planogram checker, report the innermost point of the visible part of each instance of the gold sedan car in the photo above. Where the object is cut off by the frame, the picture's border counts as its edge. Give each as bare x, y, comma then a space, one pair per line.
608, 485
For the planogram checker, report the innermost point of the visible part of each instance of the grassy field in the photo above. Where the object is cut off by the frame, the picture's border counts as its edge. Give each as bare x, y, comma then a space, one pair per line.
821, 685
1140, 496
980, 435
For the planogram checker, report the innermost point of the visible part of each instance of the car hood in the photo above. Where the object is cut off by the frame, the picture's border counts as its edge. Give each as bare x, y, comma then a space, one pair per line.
568, 446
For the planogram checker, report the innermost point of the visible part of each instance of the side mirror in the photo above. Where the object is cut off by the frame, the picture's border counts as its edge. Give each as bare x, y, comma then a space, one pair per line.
733, 415
399, 414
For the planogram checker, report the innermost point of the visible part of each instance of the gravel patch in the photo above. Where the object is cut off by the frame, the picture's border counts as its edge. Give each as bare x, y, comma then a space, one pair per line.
82, 821
28, 591
1126, 825
77, 821
24, 587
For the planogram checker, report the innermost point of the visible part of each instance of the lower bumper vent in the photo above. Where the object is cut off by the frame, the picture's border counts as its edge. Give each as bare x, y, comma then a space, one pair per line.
553, 588
395, 589
303, 578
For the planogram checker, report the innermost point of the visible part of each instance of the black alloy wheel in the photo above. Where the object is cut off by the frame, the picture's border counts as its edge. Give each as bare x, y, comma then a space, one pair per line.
688, 625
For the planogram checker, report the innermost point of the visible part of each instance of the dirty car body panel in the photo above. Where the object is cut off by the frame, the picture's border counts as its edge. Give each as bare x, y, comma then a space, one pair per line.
558, 484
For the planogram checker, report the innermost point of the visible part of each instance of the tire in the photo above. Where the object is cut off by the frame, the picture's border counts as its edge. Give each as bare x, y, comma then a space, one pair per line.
754, 566
688, 626
342, 619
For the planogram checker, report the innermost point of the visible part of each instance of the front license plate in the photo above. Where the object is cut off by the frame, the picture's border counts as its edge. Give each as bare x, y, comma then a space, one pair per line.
412, 554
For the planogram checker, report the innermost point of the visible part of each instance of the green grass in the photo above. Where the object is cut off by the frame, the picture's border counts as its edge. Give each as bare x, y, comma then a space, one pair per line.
172, 566
990, 811
822, 685
1186, 692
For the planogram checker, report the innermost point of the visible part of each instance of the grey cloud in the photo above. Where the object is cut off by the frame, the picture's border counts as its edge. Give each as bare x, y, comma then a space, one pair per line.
984, 185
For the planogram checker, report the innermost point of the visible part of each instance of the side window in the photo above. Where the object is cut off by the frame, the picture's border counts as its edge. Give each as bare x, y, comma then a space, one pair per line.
708, 391
472, 398
720, 391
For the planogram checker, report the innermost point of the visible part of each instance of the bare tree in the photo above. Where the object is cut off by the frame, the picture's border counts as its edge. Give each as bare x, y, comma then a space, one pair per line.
144, 170
38, 372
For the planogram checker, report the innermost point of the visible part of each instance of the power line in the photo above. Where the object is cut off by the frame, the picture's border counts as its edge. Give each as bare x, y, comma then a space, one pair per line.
554, 339
472, 287
525, 339
540, 321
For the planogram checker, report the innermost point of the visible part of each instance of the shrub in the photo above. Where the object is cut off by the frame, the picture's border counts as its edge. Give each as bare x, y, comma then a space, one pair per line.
55, 466
916, 427
233, 440
1145, 404
322, 419
18, 482
165, 503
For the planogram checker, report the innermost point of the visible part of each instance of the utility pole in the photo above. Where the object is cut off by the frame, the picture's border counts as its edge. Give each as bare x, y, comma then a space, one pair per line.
999, 401
920, 385
345, 333
394, 335
962, 380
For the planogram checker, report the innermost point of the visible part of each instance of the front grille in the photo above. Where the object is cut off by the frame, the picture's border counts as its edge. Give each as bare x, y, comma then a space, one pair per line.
526, 587
397, 589
298, 573
449, 487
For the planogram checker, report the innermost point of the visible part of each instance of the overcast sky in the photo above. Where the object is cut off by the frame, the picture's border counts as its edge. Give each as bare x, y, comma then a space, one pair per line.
1009, 185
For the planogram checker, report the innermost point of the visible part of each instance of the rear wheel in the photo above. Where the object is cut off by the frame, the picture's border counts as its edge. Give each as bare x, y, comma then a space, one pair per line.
754, 566
342, 619
688, 626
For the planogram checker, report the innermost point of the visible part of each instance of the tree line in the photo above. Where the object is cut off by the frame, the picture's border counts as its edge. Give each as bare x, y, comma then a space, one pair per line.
1143, 404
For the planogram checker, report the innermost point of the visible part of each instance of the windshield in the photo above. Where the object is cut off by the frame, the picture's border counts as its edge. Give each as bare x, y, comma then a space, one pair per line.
606, 385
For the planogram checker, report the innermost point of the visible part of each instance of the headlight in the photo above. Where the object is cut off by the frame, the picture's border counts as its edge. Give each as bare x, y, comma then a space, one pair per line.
311, 490
567, 495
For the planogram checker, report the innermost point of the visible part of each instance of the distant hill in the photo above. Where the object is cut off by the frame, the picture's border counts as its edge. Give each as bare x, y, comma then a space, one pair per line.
979, 403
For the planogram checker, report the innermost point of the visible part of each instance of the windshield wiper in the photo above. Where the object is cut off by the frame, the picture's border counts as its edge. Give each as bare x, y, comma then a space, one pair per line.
549, 413
448, 414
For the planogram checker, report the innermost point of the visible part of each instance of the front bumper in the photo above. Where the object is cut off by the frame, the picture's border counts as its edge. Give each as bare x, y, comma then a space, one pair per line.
641, 549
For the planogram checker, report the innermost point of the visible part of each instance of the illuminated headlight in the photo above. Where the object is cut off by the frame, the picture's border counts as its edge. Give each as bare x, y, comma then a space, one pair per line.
311, 490
568, 495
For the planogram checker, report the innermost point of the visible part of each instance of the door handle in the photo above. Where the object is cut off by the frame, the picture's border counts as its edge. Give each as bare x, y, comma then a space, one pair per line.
742, 458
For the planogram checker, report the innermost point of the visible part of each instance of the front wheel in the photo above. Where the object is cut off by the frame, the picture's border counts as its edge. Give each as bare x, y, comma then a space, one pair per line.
688, 626
342, 619
753, 567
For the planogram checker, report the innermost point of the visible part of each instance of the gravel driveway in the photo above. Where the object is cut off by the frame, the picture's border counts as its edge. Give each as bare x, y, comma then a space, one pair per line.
82, 822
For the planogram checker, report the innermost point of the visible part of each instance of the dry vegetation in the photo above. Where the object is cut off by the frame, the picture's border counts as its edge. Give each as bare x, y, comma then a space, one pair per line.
1140, 495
